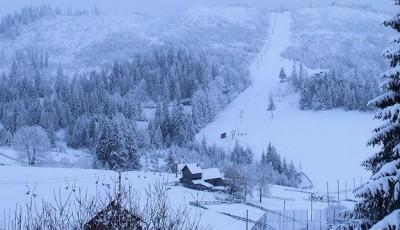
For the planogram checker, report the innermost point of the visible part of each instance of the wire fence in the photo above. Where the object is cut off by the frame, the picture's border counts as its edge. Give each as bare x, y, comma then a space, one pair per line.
298, 219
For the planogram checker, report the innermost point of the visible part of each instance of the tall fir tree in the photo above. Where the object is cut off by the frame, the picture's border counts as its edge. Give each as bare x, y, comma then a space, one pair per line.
379, 204
282, 75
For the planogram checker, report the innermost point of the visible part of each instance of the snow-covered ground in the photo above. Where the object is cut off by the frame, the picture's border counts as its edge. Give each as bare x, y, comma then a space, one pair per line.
330, 145
21, 184
59, 156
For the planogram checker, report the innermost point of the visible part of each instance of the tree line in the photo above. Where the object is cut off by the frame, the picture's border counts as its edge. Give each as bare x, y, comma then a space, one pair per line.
331, 89
88, 104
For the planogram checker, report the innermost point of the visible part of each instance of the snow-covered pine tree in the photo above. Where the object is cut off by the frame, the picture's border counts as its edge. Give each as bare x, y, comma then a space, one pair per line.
103, 146
379, 205
171, 162
271, 106
282, 75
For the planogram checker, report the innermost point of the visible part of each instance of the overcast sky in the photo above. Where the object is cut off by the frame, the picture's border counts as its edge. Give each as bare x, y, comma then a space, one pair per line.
162, 7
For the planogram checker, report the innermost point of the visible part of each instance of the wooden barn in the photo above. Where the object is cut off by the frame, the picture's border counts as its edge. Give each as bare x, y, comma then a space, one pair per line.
191, 172
114, 216
202, 179
213, 176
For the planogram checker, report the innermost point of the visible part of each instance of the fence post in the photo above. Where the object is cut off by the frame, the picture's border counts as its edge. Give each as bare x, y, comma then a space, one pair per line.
307, 218
262, 227
320, 219
327, 197
294, 212
283, 216
247, 219
311, 201
334, 216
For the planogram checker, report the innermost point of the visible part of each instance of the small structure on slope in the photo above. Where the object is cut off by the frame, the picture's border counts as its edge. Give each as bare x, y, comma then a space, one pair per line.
191, 172
203, 179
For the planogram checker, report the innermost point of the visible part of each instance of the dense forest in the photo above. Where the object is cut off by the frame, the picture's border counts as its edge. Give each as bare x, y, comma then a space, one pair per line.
331, 89
174, 90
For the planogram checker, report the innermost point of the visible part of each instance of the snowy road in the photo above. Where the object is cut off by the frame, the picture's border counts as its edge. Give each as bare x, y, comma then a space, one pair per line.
329, 145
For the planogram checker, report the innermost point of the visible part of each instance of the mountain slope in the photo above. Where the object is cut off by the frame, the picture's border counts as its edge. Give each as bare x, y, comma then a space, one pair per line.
82, 41
330, 145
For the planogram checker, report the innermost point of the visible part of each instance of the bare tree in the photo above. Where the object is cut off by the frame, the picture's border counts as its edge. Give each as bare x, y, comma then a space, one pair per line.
31, 140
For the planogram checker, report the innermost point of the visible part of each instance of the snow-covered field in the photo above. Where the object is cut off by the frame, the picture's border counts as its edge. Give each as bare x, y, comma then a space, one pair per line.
330, 145
20, 185
59, 156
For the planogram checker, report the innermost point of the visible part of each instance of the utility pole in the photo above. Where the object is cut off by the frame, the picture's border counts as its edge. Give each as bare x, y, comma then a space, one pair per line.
327, 192
327, 198
311, 201
284, 212
338, 190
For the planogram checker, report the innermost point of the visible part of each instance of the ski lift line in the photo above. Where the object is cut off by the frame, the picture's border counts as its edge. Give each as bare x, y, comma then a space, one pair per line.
49, 180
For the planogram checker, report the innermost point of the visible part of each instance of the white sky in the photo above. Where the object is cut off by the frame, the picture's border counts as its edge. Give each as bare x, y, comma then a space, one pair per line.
162, 7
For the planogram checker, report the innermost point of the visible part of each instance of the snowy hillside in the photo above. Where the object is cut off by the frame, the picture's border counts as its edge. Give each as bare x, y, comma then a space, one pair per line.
339, 34
89, 40
319, 141
246, 115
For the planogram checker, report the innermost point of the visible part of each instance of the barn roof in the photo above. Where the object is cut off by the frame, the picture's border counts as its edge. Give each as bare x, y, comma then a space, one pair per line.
193, 168
203, 183
211, 173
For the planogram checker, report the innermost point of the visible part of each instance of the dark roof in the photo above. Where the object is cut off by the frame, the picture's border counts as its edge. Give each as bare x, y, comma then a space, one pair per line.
193, 168
114, 215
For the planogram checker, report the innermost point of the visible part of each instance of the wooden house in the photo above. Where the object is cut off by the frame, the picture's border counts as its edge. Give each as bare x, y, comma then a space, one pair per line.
191, 172
202, 179
213, 176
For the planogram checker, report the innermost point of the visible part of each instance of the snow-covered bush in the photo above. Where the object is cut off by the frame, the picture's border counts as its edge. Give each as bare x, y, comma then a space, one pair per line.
32, 140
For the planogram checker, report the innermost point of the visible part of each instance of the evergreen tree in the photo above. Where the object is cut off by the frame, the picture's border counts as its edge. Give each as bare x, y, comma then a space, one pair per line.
379, 204
104, 146
237, 154
271, 106
282, 75
171, 163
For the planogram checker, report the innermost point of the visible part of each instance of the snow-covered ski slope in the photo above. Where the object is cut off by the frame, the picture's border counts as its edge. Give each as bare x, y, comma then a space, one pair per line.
330, 145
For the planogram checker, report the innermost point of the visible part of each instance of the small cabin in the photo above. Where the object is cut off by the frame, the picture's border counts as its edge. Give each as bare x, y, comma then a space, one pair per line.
213, 176
191, 172
202, 179
114, 216
223, 135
